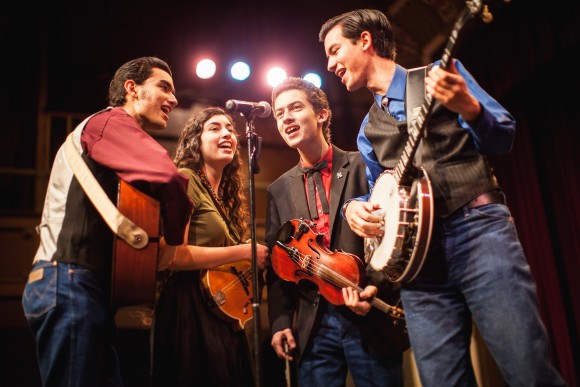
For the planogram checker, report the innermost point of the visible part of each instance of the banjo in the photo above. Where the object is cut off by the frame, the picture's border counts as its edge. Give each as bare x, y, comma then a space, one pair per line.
405, 194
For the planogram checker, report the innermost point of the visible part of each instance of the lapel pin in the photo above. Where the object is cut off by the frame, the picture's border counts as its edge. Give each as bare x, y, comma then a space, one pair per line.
338, 175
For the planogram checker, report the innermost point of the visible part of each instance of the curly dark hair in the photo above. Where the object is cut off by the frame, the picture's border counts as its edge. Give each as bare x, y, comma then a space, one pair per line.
137, 70
188, 155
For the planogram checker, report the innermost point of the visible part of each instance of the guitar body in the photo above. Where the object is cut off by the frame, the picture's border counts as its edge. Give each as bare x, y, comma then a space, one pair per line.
134, 272
229, 292
408, 216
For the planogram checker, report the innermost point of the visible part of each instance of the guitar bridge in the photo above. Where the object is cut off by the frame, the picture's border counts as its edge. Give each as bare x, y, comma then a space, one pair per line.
219, 298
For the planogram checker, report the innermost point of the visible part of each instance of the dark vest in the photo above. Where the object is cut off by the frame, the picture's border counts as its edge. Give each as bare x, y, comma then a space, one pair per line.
457, 170
85, 238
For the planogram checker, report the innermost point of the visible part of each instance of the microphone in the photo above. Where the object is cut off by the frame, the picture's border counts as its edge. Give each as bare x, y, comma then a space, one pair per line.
259, 109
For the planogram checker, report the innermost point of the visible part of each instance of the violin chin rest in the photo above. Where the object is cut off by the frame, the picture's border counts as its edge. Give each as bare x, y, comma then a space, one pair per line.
285, 233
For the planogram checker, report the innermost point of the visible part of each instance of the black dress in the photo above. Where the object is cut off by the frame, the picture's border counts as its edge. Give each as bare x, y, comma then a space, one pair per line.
191, 345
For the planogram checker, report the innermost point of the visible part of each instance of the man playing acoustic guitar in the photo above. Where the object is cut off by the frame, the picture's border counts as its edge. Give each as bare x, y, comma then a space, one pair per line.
67, 295
327, 340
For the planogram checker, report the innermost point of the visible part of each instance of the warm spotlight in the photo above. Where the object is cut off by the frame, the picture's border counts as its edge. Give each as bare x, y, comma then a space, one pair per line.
275, 76
205, 68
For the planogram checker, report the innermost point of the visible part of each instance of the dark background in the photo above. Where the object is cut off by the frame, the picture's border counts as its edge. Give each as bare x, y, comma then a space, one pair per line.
59, 56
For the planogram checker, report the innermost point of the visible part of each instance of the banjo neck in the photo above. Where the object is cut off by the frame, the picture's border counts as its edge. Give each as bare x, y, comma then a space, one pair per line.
402, 171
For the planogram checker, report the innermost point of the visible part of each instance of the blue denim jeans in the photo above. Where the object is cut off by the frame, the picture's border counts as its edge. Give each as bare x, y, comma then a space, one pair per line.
67, 311
337, 348
476, 269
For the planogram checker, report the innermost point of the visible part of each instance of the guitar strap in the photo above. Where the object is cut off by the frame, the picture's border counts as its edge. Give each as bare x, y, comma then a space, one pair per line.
414, 93
117, 222
414, 98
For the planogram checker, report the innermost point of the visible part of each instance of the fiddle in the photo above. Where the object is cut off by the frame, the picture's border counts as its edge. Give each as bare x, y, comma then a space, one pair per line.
300, 254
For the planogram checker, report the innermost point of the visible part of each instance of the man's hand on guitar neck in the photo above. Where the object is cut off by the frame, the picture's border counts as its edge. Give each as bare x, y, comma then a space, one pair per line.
357, 302
363, 219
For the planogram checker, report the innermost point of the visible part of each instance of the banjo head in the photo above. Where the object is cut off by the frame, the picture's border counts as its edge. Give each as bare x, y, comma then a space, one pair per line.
378, 250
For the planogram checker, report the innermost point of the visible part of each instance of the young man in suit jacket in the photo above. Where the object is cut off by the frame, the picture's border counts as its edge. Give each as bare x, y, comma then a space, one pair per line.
325, 341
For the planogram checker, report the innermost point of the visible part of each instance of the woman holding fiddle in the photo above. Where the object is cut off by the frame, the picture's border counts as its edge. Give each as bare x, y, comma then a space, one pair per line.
327, 340
192, 345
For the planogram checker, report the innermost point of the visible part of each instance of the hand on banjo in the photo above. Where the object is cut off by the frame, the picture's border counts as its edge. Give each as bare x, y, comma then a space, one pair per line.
365, 219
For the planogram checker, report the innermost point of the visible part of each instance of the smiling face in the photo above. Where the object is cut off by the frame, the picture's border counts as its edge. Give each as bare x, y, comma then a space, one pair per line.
218, 141
299, 125
152, 101
347, 60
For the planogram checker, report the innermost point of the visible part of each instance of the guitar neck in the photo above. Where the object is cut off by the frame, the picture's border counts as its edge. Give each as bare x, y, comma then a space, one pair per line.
418, 128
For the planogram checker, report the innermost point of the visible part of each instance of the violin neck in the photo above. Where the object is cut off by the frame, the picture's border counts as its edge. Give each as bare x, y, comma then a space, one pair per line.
335, 278
381, 305
341, 282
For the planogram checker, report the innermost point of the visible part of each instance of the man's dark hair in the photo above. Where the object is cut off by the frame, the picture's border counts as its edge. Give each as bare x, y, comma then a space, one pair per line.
314, 95
354, 23
137, 70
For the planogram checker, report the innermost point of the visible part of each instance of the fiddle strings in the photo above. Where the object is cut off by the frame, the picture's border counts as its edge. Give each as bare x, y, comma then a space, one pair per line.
339, 280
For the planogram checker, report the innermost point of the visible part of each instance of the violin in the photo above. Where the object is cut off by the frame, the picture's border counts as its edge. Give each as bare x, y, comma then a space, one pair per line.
300, 254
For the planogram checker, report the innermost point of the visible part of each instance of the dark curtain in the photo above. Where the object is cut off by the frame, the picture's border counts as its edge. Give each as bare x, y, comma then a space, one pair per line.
527, 61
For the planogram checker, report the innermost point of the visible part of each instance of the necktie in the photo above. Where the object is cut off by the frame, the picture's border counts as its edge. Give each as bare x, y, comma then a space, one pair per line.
314, 179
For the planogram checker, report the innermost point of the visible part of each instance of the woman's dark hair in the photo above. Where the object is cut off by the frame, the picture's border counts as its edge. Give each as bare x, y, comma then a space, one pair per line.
188, 155
137, 70
354, 23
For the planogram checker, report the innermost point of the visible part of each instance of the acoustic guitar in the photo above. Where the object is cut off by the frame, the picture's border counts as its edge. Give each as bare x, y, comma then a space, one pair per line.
134, 272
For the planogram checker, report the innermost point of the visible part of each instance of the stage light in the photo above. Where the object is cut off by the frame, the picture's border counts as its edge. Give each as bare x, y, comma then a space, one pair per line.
240, 71
314, 79
205, 69
275, 76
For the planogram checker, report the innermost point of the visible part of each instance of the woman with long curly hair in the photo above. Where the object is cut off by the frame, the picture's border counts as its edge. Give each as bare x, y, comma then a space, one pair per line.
195, 343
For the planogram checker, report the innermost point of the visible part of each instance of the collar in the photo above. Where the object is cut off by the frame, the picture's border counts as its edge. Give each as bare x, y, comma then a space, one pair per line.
327, 156
397, 87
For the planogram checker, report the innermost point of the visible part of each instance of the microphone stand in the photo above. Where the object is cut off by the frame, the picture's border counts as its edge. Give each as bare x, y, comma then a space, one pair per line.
254, 147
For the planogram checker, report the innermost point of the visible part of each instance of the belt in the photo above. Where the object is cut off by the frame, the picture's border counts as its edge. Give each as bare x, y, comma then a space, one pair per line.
492, 197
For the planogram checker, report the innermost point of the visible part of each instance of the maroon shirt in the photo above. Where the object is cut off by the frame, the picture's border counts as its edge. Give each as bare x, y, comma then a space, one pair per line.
115, 140
323, 222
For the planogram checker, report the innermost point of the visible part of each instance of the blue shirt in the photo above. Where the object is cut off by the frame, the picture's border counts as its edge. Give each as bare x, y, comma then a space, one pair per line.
492, 132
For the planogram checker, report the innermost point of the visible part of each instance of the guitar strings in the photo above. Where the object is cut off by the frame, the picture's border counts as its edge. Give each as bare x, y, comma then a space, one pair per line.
237, 282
